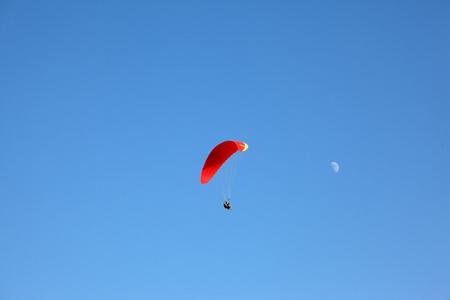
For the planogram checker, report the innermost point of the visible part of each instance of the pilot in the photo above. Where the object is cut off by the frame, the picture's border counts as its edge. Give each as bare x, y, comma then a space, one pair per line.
227, 205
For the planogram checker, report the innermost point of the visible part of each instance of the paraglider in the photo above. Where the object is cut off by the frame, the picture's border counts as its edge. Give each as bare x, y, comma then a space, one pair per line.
219, 161
227, 205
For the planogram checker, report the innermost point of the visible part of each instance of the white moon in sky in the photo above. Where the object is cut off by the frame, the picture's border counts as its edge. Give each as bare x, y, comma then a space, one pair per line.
335, 166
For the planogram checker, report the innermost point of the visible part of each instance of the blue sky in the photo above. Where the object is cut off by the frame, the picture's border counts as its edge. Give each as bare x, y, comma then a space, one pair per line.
108, 111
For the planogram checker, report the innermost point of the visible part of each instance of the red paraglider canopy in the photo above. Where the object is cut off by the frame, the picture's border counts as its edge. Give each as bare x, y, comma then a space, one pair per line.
218, 157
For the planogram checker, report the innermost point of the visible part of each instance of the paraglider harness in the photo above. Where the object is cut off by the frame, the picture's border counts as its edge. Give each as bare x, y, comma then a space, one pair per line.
227, 205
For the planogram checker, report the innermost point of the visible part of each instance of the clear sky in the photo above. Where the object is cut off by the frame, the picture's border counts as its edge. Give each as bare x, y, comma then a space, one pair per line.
108, 110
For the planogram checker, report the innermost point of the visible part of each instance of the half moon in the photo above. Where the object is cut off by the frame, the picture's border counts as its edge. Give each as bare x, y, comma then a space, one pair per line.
334, 166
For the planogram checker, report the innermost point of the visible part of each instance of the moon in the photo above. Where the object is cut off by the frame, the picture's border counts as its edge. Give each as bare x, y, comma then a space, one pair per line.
334, 166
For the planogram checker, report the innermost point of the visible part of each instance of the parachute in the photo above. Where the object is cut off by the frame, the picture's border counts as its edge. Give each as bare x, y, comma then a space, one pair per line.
219, 157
